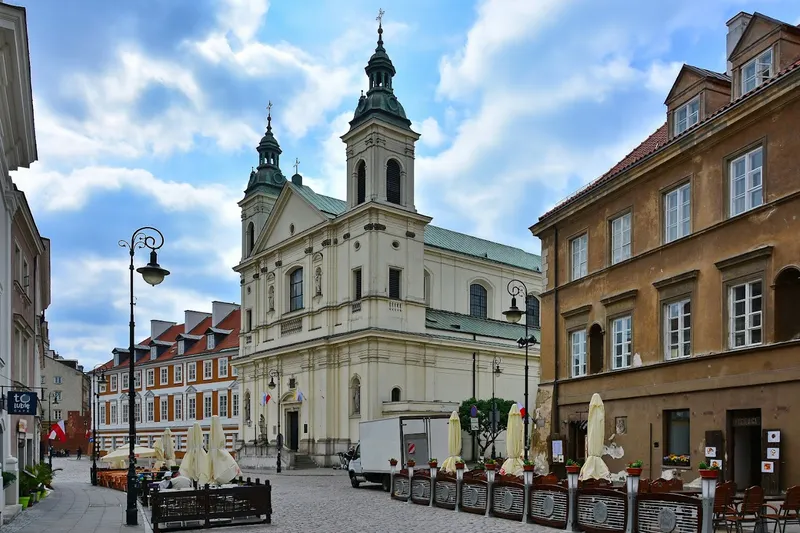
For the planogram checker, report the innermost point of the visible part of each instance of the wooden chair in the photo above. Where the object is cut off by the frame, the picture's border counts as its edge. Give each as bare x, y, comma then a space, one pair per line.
722, 505
659, 486
674, 484
548, 479
644, 486
790, 510
748, 511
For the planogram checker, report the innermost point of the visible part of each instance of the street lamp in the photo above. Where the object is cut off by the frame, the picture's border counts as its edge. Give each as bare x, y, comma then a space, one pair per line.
51, 400
151, 238
493, 419
513, 315
272, 375
101, 380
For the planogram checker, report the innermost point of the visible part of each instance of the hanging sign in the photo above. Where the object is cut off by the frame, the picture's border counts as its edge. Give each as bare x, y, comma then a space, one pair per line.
21, 403
473, 423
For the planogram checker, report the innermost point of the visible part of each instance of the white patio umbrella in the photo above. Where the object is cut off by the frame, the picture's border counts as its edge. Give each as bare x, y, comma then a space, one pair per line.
169, 449
453, 443
195, 463
595, 467
222, 467
159, 456
514, 434
121, 454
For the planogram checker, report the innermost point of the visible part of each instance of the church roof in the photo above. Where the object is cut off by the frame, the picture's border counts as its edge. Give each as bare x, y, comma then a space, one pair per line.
437, 237
486, 327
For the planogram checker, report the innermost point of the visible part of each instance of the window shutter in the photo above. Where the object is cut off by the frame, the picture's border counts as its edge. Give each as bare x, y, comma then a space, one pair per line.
361, 183
393, 182
394, 283
357, 284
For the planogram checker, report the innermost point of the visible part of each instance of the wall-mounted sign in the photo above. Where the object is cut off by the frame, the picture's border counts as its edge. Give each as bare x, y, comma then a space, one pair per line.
747, 421
767, 467
21, 403
22, 426
773, 436
773, 453
716, 463
711, 451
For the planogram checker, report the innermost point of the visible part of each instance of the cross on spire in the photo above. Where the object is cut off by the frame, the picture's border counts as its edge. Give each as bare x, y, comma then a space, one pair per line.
269, 116
296, 165
379, 18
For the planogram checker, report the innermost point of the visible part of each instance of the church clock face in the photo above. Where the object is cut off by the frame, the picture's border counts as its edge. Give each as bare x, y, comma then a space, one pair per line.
392, 104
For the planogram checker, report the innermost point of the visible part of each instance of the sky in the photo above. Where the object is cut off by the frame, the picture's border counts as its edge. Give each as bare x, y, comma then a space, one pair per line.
148, 113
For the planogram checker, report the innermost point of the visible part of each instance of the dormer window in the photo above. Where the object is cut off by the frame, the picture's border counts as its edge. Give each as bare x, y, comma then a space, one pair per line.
210, 341
687, 115
757, 71
181, 347
153, 352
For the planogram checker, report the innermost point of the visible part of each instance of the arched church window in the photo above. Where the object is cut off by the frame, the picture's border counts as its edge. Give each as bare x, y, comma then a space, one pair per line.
361, 183
393, 181
533, 311
355, 396
396, 394
477, 300
251, 238
296, 289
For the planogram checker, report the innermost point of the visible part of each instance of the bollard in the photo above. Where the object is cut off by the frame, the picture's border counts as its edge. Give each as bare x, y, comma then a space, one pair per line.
527, 476
489, 482
410, 475
572, 486
392, 470
708, 484
459, 479
434, 471
632, 486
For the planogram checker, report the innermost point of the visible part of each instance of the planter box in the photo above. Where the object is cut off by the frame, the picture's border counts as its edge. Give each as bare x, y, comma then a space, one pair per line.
634, 471
573, 470
709, 474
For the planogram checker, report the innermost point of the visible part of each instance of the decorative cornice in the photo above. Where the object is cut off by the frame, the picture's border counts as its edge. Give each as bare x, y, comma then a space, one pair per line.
619, 297
759, 253
577, 311
673, 280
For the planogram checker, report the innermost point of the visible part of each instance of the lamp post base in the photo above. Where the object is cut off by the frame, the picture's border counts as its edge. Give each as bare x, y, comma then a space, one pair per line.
132, 517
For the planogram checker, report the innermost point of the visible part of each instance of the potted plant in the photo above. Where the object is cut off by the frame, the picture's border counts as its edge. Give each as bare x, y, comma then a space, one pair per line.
411, 463
25, 501
459, 463
8, 479
27, 485
634, 468
708, 472
433, 462
676, 460
527, 466
392, 462
573, 467
490, 464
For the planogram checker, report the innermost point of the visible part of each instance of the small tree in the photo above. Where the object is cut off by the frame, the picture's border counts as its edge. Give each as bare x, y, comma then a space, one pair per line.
486, 434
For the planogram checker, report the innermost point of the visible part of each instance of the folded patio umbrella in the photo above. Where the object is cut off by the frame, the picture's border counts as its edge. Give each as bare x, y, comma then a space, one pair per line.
453, 443
222, 466
169, 448
514, 433
595, 467
195, 462
121, 454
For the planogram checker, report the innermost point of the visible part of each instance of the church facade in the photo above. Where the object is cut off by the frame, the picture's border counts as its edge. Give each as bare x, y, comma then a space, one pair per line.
360, 309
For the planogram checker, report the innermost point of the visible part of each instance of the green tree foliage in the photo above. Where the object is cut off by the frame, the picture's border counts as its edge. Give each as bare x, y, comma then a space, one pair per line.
486, 434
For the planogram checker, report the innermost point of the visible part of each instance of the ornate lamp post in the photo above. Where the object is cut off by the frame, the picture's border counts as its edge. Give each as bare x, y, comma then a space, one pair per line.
145, 237
272, 375
513, 315
99, 380
52, 399
493, 421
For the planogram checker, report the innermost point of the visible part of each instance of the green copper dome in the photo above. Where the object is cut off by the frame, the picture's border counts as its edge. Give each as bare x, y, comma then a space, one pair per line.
268, 175
380, 99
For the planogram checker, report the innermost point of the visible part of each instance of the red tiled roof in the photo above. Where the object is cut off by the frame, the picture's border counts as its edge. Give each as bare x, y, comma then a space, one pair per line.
658, 141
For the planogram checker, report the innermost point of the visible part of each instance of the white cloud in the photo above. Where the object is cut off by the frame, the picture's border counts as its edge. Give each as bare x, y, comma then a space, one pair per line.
333, 178
430, 133
661, 76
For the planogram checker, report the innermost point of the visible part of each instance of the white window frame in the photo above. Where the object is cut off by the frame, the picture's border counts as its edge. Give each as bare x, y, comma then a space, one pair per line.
57, 396
235, 404
191, 372
678, 213
222, 398
687, 115
102, 413
114, 410
163, 375
208, 406
761, 72
579, 247
621, 342
163, 408
102, 387
125, 381
753, 315
124, 413
113, 383
177, 407
578, 352
752, 180
191, 407
181, 347
137, 379
57, 380
151, 377
208, 369
177, 374
621, 233
153, 352
234, 371
137, 411
222, 367
677, 323
210, 341
151, 410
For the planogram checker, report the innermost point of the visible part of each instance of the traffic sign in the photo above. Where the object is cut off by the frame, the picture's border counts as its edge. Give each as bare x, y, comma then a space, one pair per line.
412, 448
473, 422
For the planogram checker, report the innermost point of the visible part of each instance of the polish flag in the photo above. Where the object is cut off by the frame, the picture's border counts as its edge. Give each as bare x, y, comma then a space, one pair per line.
521, 409
58, 432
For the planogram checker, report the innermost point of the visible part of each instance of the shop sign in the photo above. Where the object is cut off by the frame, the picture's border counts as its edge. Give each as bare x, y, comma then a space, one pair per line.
21, 403
746, 421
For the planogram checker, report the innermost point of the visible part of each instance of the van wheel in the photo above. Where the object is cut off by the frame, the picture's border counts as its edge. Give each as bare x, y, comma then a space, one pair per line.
354, 482
386, 484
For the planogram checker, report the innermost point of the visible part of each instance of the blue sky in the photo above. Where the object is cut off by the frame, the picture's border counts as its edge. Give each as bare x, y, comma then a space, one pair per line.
148, 113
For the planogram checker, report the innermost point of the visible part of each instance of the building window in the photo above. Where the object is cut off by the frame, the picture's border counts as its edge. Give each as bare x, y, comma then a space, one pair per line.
393, 182
191, 408
164, 375
532, 311
137, 411
137, 379
235, 404
394, 283
677, 329
26, 279
151, 410
44, 380
177, 370
251, 238
787, 295
57, 396
357, 284
207, 408
578, 247
57, 414
677, 434
163, 406
746, 182
178, 408
361, 183
620, 238
234, 371
222, 370
113, 383
396, 394
151, 377
677, 213
249, 320
210, 340
355, 396
124, 417
426, 286
578, 343
477, 300
153, 352
191, 370
114, 413
687, 116
208, 369
757, 71
57, 380
296, 290
621, 342
745, 309
102, 387
223, 405
125, 381
181, 347
17, 264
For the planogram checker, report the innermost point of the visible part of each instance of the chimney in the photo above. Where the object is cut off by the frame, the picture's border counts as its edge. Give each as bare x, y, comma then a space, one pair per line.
220, 310
192, 319
159, 327
297, 179
736, 27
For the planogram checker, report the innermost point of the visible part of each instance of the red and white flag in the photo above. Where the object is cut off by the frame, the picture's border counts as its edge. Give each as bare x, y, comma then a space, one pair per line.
521, 410
58, 432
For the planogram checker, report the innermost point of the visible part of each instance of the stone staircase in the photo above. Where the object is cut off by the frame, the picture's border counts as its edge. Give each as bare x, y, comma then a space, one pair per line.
303, 462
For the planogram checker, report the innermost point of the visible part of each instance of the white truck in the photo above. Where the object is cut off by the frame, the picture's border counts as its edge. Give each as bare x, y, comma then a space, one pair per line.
402, 438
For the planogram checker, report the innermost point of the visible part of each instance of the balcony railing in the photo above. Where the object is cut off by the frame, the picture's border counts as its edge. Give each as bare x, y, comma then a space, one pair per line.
291, 326
355, 307
395, 306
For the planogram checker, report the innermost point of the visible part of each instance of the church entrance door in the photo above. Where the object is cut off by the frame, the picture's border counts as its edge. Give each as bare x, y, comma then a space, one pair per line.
293, 423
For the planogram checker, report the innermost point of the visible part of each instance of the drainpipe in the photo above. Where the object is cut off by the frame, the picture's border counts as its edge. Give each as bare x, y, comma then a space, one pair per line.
474, 392
555, 427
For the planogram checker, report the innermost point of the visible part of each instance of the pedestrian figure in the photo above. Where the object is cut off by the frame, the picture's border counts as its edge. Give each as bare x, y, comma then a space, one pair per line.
80, 452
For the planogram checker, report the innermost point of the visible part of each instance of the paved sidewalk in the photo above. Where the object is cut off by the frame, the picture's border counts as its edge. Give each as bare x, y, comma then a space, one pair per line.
75, 507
